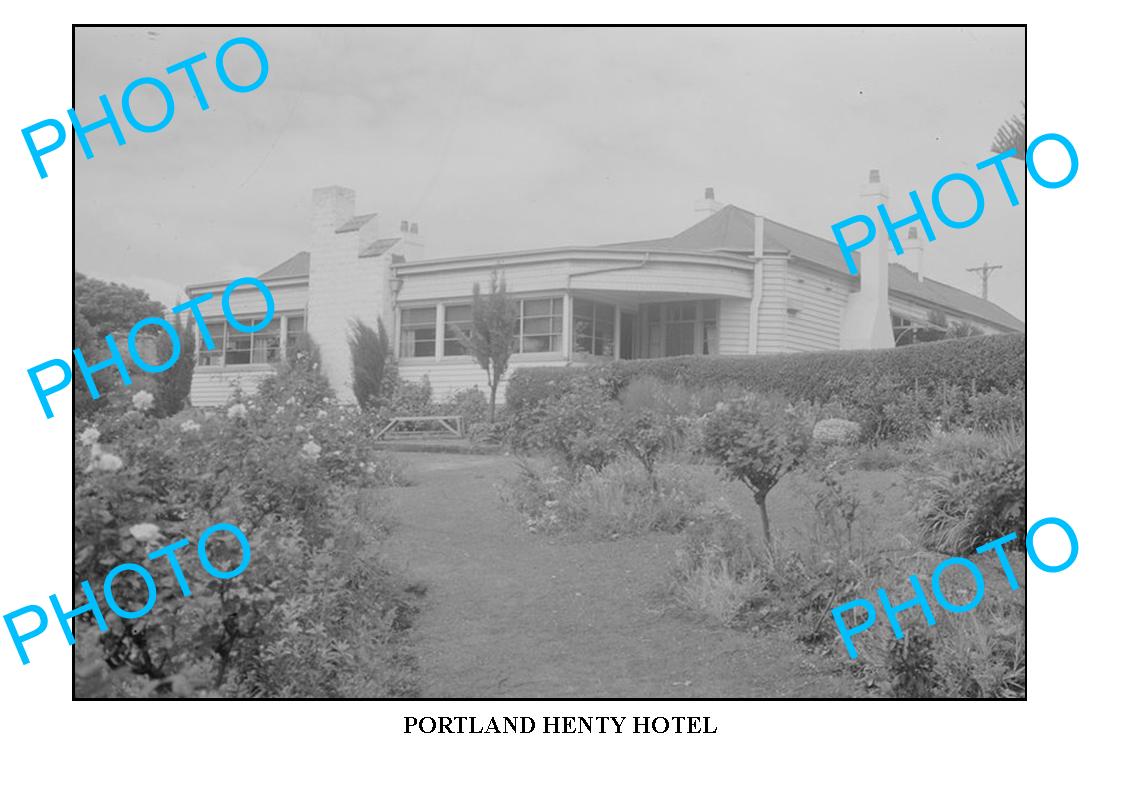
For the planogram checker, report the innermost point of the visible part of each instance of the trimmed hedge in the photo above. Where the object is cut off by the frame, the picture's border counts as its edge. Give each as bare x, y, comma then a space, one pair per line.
974, 364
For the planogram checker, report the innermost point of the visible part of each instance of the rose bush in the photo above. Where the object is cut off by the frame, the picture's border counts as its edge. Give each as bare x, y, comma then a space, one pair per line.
315, 614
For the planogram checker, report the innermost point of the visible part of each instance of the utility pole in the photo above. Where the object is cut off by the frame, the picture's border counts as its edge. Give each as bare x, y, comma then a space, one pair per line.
984, 273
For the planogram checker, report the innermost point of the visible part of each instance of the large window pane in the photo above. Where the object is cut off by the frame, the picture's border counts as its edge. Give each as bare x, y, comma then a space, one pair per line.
295, 330
267, 343
419, 332
214, 356
540, 325
239, 344
457, 316
594, 328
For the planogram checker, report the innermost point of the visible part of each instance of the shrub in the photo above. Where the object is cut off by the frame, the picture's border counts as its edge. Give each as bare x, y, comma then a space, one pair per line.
715, 573
991, 412
647, 436
580, 427
614, 502
471, 404
972, 490
316, 613
862, 381
835, 431
173, 386
370, 355
756, 440
646, 393
411, 398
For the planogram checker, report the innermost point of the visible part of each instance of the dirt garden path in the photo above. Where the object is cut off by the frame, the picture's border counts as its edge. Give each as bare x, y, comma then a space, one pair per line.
511, 614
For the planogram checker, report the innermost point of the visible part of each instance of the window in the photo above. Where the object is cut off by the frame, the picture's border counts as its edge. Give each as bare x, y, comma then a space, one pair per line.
594, 328
419, 332
213, 356
267, 343
680, 317
457, 316
540, 325
294, 331
263, 347
709, 327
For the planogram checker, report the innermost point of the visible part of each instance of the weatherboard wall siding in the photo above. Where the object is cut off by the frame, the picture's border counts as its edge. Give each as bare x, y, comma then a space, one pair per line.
815, 303
450, 376
772, 320
734, 318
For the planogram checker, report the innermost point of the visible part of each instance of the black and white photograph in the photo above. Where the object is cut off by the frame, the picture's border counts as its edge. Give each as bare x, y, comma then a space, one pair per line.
527, 363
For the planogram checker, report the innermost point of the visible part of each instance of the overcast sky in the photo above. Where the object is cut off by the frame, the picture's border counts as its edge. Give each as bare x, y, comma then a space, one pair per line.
506, 139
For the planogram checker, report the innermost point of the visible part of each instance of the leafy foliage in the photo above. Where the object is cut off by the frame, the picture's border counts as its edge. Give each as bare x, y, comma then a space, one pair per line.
316, 613
173, 386
972, 490
864, 382
101, 309
494, 333
370, 360
756, 440
1012, 135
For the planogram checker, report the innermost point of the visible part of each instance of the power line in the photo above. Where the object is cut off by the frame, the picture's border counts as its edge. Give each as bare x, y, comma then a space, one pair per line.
984, 273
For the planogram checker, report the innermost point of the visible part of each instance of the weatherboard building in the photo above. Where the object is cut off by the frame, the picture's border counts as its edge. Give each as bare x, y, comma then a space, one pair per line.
735, 283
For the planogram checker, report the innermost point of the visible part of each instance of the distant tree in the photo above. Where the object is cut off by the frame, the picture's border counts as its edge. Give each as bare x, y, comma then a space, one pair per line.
1012, 135
173, 386
494, 333
101, 309
111, 308
370, 361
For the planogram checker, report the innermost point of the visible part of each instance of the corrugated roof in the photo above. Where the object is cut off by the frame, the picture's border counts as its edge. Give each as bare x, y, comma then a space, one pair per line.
380, 246
297, 265
356, 222
904, 282
734, 229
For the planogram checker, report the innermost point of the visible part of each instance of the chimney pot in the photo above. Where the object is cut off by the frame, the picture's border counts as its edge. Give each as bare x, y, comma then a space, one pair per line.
875, 175
912, 233
413, 228
405, 226
709, 193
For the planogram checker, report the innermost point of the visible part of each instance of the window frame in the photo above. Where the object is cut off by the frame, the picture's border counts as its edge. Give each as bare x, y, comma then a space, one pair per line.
403, 326
220, 332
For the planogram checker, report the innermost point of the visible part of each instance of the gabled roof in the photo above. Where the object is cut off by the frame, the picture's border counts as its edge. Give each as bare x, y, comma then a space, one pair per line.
905, 282
297, 265
733, 229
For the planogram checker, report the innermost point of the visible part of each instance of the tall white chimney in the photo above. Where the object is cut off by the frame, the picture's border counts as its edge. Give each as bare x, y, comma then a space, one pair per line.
709, 205
913, 258
866, 322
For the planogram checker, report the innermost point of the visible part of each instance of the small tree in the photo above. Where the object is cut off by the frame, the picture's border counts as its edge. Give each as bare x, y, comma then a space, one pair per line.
370, 357
494, 333
756, 440
173, 386
647, 435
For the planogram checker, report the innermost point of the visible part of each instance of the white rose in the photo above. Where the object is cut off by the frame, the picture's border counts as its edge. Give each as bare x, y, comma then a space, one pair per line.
311, 450
143, 401
145, 532
236, 411
90, 436
188, 425
109, 462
